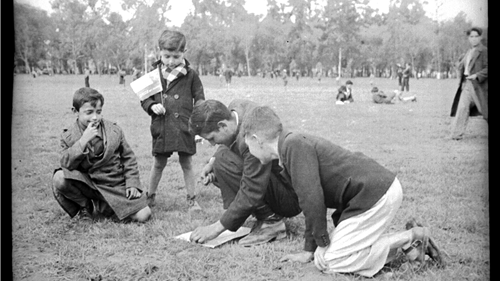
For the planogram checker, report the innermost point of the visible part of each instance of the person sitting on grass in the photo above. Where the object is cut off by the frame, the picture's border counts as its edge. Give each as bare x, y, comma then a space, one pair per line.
365, 195
99, 172
342, 95
390, 98
247, 187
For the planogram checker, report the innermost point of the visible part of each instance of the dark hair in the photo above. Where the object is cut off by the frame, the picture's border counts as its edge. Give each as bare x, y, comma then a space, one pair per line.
84, 95
476, 29
342, 89
374, 89
348, 82
172, 41
206, 116
262, 120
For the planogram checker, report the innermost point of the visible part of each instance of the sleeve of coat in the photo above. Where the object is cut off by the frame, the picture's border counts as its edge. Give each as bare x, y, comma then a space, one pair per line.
253, 186
147, 103
483, 73
303, 167
197, 91
129, 163
71, 155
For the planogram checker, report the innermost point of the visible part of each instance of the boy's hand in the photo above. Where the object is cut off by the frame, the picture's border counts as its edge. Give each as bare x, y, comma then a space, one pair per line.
158, 109
207, 175
132, 193
302, 257
89, 133
203, 234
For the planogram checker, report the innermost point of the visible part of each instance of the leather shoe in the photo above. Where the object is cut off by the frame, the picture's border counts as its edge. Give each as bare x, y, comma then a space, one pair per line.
264, 231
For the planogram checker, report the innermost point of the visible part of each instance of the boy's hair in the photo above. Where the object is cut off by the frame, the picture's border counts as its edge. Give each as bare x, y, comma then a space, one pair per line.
84, 95
206, 116
476, 29
342, 89
262, 120
374, 89
173, 41
348, 82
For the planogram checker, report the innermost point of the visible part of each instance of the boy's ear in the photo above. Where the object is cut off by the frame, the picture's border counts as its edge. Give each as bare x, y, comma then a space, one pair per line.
73, 109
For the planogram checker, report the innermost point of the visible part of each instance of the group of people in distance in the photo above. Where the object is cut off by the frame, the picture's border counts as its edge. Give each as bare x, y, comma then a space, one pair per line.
262, 170
344, 95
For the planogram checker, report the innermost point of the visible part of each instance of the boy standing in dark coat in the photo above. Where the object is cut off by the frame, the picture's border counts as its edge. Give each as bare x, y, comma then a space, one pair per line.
170, 111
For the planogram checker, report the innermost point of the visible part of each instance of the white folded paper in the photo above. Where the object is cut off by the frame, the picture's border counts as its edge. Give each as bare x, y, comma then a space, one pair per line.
224, 237
147, 85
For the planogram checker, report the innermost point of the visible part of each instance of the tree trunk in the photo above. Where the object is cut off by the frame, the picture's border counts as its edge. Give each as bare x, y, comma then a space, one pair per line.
247, 57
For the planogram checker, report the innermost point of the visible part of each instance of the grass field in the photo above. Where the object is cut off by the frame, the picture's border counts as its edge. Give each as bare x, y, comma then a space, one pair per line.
445, 183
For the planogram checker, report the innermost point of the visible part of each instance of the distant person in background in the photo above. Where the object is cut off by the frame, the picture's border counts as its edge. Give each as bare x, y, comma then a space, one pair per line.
87, 76
399, 73
341, 95
390, 98
122, 74
406, 78
228, 74
284, 76
381, 97
136, 74
348, 93
471, 98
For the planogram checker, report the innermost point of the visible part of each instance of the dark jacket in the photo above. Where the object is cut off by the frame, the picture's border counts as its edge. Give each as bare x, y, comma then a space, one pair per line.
111, 175
325, 175
478, 66
255, 179
170, 131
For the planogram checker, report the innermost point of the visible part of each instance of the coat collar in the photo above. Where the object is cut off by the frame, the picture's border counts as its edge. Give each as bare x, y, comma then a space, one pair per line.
283, 135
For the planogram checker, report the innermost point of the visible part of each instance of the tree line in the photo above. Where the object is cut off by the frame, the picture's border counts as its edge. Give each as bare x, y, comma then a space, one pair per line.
341, 37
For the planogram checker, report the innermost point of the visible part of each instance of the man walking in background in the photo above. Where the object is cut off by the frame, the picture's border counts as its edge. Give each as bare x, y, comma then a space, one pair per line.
471, 98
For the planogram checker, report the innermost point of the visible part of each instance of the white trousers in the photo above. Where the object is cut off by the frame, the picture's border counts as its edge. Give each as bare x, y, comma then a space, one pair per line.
357, 244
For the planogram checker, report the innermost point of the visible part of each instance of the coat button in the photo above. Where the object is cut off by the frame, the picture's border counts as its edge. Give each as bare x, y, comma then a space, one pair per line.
176, 96
176, 115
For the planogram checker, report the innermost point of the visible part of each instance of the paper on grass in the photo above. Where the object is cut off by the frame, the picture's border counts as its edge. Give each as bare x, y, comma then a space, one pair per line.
147, 85
224, 237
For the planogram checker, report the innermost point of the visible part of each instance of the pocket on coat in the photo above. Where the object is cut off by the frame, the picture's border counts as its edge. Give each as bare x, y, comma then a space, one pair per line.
155, 127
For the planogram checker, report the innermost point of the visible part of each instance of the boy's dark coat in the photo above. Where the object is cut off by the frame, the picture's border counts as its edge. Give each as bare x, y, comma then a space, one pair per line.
170, 131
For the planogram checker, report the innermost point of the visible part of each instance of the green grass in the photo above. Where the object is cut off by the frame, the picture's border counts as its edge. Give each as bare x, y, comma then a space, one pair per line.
445, 183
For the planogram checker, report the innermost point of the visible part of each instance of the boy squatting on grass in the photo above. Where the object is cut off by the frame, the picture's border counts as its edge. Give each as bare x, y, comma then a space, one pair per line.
170, 111
99, 172
364, 194
247, 187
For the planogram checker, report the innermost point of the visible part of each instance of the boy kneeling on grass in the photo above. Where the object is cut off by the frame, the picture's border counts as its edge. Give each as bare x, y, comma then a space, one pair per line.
364, 194
99, 172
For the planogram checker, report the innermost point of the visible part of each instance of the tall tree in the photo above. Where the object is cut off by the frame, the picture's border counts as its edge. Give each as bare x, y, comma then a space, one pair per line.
31, 32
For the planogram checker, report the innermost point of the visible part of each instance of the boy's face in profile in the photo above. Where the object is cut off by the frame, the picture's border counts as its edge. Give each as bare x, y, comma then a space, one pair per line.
172, 58
258, 147
89, 114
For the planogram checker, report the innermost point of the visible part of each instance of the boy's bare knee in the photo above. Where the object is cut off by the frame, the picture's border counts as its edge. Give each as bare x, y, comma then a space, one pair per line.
142, 215
58, 181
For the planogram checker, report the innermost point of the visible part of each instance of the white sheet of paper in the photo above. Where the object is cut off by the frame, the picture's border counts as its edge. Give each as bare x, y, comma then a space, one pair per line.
224, 237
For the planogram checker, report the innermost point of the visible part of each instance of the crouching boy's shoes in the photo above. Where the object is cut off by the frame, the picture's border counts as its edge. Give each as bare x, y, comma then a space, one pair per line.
264, 231
192, 204
151, 199
85, 213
